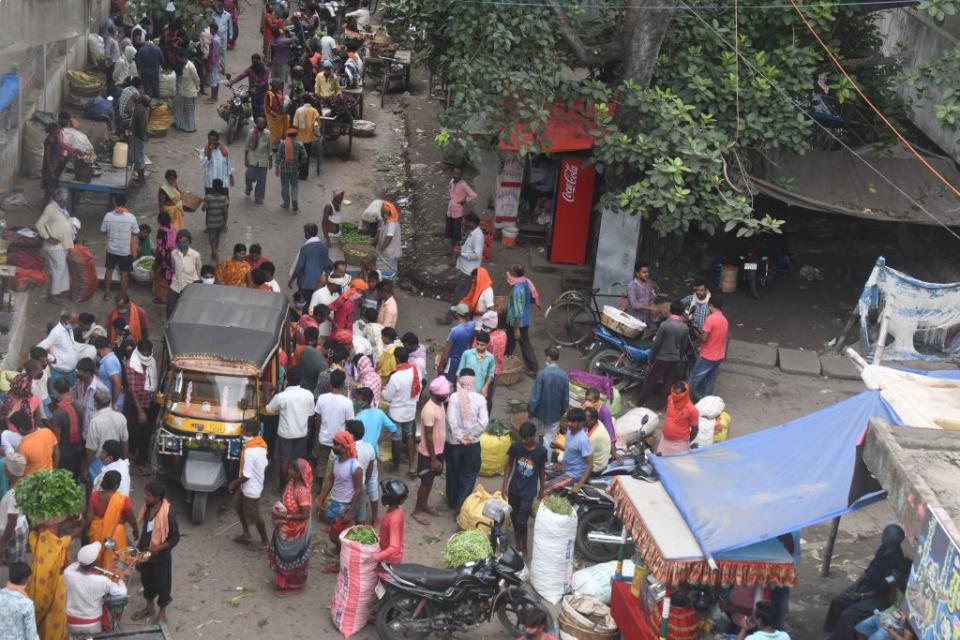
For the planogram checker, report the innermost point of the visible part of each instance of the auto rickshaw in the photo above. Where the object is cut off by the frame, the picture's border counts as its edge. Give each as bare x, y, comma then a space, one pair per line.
221, 359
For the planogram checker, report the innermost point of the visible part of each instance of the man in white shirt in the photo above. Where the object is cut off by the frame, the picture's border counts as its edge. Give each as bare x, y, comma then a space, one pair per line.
187, 265
62, 348
403, 392
328, 45
253, 468
85, 391
112, 459
362, 15
469, 255
107, 424
86, 589
333, 409
467, 419
326, 295
120, 226
295, 405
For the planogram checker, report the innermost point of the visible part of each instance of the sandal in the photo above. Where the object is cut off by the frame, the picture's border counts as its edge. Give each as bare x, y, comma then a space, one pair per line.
242, 540
143, 613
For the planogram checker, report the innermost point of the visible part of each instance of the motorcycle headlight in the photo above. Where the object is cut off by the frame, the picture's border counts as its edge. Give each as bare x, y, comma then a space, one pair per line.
236, 101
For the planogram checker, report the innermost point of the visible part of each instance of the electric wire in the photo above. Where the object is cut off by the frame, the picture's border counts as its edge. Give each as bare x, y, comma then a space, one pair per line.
826, 130
674, 8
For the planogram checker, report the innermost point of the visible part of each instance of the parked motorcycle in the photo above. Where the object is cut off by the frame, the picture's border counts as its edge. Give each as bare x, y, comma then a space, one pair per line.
237, 111
624, 361
415, 600
760, 263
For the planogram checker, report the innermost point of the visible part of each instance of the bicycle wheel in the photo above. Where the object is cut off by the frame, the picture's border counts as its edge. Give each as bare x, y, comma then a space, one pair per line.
569, 322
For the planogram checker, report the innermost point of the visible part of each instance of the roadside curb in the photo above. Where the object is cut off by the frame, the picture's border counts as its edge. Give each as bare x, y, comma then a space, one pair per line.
791, 361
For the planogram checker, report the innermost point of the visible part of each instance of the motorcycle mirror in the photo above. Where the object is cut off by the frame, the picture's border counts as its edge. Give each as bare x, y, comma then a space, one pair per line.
645, 420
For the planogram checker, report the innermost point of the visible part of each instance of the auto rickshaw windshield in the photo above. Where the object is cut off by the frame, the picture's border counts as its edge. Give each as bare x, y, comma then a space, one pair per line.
196, 394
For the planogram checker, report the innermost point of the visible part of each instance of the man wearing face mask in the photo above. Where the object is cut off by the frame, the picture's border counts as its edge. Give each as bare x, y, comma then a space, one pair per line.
258, 159
258, 75
62, 348
187, 264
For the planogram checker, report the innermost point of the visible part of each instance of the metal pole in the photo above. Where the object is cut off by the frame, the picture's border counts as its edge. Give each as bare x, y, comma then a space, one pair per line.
828, 549
43, 87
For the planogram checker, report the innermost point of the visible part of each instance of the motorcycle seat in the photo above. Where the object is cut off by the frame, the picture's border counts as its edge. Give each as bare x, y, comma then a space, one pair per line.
427, 577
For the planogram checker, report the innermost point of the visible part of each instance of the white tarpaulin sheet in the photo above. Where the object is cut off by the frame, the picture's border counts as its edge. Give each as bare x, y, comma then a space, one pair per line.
925, 401
923, 317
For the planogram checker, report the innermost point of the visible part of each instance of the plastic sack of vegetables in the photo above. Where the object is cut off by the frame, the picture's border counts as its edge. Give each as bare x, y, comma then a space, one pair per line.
494, 444
83, 273
472, 510
554, 536
467, 546
356, 581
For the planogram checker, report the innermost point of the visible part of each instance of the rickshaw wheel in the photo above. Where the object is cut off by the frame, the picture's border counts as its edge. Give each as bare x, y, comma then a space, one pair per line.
199, 508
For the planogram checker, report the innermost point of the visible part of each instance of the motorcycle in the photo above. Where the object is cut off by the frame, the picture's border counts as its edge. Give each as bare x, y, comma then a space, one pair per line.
624, 361
415, 600
238, 111
760, 264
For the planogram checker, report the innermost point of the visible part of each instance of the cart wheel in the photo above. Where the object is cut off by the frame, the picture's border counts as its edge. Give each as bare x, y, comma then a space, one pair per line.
360, 117
406, 79
199, 509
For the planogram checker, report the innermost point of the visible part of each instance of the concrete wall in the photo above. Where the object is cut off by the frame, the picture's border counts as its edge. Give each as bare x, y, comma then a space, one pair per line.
70, 53
914, 38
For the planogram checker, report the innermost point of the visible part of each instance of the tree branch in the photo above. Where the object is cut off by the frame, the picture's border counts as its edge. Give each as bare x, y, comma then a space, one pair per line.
611, 51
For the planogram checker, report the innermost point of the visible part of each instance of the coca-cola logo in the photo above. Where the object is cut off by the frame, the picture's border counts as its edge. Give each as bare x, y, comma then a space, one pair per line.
570, 173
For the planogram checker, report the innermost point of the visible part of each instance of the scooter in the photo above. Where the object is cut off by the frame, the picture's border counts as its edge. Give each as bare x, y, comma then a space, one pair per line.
625, 361
415, 600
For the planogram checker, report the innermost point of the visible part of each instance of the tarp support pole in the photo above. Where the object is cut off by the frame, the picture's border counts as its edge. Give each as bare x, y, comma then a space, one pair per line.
828, 550
854, 315
881, 338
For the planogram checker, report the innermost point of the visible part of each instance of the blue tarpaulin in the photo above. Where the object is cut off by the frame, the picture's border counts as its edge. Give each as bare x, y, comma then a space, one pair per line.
749, 489
9, 85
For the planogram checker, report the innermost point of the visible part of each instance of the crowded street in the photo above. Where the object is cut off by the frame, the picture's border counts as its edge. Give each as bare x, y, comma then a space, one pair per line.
289, 358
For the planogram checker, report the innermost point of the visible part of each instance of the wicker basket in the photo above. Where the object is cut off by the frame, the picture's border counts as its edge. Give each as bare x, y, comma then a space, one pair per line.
500, 303
356, 254
512, 371
619, 322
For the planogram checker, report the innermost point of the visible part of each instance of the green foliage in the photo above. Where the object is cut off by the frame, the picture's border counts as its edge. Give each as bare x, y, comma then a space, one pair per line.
43, 495
673, 152
195, 17
466, 546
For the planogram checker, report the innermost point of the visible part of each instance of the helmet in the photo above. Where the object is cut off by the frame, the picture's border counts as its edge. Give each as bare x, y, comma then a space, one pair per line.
393, 492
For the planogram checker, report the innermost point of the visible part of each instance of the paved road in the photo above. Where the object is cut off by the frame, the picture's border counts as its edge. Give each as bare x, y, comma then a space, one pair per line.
224, 590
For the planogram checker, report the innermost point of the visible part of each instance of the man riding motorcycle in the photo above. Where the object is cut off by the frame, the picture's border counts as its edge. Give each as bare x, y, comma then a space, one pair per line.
87, 586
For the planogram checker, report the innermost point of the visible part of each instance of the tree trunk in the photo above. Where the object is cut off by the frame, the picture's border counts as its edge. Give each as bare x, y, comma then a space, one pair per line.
643, 32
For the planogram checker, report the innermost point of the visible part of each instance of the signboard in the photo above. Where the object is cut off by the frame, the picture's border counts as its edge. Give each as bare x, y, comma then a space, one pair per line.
933, 591
509, 184
619, 237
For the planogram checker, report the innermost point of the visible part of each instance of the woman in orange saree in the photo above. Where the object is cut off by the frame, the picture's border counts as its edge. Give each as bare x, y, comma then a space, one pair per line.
108, 514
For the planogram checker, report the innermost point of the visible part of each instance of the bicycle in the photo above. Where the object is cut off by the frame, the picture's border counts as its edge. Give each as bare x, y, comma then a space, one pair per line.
570, 319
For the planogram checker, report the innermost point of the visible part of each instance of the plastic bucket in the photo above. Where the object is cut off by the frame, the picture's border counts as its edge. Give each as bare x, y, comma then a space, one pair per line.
120, 155
509, 236
728, 278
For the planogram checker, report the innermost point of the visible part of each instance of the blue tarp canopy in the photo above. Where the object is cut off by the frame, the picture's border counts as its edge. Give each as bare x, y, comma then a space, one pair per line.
749, 489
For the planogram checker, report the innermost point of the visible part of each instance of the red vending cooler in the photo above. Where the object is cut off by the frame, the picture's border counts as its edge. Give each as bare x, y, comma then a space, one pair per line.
571, 218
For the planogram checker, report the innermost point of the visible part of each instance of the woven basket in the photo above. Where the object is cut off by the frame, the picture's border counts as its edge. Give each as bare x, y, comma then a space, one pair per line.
500, 303
512, 371
356, 254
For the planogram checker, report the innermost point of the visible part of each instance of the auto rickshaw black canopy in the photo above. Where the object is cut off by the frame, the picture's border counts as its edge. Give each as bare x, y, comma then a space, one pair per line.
231, 323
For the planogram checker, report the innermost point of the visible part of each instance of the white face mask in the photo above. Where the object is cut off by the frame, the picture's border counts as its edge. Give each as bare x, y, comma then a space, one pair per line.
207, 280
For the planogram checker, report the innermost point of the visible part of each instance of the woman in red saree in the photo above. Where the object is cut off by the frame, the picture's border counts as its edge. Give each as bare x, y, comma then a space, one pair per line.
289, 553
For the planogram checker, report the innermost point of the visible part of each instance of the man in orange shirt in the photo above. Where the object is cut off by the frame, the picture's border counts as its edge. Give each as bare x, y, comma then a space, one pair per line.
39, 446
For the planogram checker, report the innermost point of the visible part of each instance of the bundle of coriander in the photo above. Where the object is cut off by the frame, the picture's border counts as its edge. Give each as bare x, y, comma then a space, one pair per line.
467, 546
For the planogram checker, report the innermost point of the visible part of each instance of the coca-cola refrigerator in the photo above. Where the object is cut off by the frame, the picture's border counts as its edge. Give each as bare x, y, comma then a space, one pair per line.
571, 218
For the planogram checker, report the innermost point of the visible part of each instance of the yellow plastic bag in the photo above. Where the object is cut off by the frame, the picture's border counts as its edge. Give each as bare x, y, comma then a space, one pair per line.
722, 428
386, 447
493, 453
161, 117
471, 512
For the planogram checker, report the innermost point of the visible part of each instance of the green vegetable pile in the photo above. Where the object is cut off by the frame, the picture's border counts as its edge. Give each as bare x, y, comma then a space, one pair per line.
350, 234
363, 535
466, 546
43, 495
145, 263
497, 428
558, 504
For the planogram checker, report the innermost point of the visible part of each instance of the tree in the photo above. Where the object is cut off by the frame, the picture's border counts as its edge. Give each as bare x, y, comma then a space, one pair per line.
688, 114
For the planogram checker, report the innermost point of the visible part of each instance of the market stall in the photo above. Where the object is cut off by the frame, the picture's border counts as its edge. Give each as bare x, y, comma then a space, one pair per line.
671, 558
549, 196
